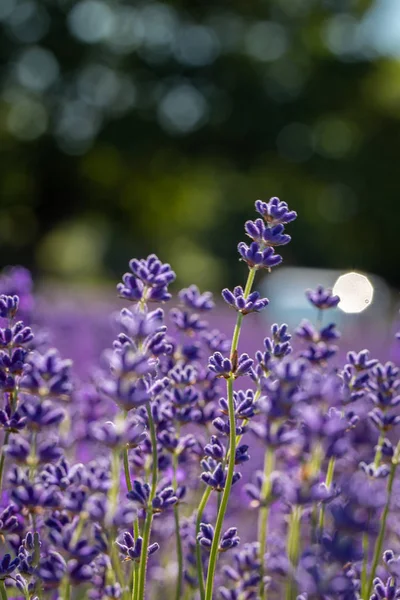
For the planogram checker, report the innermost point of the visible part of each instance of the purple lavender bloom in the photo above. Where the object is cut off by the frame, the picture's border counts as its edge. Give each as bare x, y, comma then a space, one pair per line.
392, 563
12, 422
140, 493
385, 591
307, 332
113, 591
81, 549
7, 565
276, 347
132, 394
17, 281
194, 300
131, 549
183, 375
361, 360
242, 304
15, 336
274, 211
229, 539
41, 414
255, 489
282, 386
267, 236
13, 362
215, 449
217, 478
33, 496
189, 323
79, 572
18, 448
52, 569
257, 257
319, 353
341, 548
383, 421
8, 519
243, 574
245, 404
8, 306
384, 385
165, 498
322, 298
206, 535
224, 367
223, 426
374, 471
149, 281
124, 434
48, 375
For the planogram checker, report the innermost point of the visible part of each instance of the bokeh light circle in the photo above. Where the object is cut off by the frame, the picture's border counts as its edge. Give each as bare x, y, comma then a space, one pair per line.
355, 292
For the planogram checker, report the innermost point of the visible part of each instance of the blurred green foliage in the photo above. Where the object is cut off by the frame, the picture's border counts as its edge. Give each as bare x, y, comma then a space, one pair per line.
131, 127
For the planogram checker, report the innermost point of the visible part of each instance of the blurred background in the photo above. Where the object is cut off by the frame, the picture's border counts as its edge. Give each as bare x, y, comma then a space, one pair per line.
130, 127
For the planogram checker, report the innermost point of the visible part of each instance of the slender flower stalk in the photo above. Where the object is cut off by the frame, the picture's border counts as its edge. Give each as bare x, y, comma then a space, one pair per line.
269, 461
364, 570
3, 592
149, 512
199, 519
378, 453
382, 529
179, 551
293, 547
232, 448
328, 482
225, 497
3, 458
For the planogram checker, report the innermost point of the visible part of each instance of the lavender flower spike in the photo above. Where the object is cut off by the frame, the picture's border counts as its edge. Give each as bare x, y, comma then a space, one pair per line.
236, 299
257, 257
322, 298
226, 368
8, 306
275, 211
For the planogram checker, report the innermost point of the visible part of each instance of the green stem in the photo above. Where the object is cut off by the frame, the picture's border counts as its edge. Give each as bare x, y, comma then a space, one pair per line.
32, 460
3, 458
364, 574
67, 590
135, 589
238, 326
225, 497
382, 530
126, 462
3, 592
115, 482
378, 453
149, 513
293, 547
126, 470
269, 461
232, 449
178, 534
199, 518
328, 482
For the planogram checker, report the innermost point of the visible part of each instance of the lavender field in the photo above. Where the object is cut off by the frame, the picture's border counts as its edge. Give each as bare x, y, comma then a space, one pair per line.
165, 447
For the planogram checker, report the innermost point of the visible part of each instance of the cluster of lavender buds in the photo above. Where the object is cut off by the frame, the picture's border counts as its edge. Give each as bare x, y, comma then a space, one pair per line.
185, 468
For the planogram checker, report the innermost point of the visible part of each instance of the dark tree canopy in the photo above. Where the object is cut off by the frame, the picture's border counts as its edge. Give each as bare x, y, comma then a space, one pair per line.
131, 127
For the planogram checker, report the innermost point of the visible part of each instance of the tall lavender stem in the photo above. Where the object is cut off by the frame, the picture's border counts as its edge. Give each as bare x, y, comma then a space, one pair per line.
149, 513
232, 448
